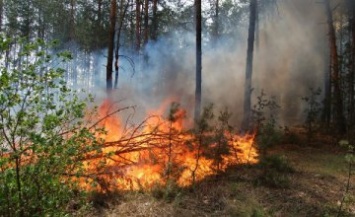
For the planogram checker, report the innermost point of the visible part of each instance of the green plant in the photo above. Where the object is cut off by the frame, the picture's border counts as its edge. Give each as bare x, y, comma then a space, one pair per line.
265, 110
268, 136
167, 192
42, 134
276, 171
203, 137
211, 138
350, 159
219, 143
265, 117
312, 111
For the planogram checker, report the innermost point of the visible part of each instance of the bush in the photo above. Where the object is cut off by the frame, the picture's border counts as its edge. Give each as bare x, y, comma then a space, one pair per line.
276, 171
42, 135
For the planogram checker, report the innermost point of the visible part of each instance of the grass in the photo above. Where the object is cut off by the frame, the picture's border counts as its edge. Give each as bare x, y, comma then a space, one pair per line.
314, 188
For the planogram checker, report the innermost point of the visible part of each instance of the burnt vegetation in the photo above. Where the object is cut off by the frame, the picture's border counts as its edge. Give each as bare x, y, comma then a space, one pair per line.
177, 108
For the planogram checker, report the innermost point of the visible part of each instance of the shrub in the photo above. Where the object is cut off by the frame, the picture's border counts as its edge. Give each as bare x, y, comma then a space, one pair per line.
276, 171
42, 135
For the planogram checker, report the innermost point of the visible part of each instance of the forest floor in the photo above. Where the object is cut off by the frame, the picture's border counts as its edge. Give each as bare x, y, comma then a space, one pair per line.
314, 187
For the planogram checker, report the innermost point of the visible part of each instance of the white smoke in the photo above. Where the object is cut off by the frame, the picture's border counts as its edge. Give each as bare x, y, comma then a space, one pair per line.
289, 59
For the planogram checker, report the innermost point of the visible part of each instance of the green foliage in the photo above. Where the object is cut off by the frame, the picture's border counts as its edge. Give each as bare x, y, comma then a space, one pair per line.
348, 199
312, 110
168, 192
42, 135
267, 137
276, 171
213, 135
265, 118
265, 110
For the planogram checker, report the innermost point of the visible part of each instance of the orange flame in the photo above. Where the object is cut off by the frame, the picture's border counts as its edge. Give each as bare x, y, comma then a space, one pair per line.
159, 151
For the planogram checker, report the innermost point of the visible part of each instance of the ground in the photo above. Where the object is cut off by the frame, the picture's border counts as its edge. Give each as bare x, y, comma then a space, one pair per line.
313, 187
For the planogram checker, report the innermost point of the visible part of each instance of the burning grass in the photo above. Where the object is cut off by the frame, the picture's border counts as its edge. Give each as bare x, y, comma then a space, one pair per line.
161, 150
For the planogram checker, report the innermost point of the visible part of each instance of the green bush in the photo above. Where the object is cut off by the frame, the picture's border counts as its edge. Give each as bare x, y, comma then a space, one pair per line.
276, 171
42, 135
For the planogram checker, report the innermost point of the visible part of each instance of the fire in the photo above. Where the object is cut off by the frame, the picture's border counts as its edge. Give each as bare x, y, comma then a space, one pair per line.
160, 150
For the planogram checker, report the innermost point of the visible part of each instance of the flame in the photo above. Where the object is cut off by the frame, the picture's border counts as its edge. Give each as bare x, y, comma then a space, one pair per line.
158, 151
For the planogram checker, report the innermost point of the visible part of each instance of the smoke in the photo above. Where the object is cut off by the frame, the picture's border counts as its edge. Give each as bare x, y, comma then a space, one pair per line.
290, 57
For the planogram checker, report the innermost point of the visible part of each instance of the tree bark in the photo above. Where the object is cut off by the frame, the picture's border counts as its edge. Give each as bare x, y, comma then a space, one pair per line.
1, 13
146, 19
138, 24
155, 21
352, 61
216, 21
246, 123
335, 76
99, 12
111, 36
72, 20
198, 59
327, 104
123, 10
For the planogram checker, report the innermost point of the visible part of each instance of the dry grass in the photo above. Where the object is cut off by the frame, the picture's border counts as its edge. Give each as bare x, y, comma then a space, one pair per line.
315, 189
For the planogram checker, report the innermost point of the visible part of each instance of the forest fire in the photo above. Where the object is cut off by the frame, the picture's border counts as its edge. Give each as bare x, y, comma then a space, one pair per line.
160, 151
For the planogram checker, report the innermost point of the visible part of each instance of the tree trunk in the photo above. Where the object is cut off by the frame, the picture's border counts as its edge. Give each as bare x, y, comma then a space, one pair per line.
99, 12
155, 20
72, 20
41, 24
335, 76
138, 23
1, 13
123, 10
216, 21
249, 66
198, 59
352, 61
327, 104
146, 19
111, 36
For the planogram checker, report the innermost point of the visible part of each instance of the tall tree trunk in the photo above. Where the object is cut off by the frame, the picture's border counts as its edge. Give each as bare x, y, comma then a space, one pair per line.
132, 36
41, 24
123, 10
327, 103
72, 20
352, 61
198, 59
138, 24
155, 21
111, 45
339, 115
249, 66
216, 21
99, 12
146, 19
1, 13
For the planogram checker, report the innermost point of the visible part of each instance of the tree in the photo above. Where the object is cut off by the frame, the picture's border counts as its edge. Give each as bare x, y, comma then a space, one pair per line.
111, 44
249, 65
198, 15
72, 20
138, 25
123, 11
42, 133
1, 13
351, 14
335, 71
146, 21
154, 20
215, 29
